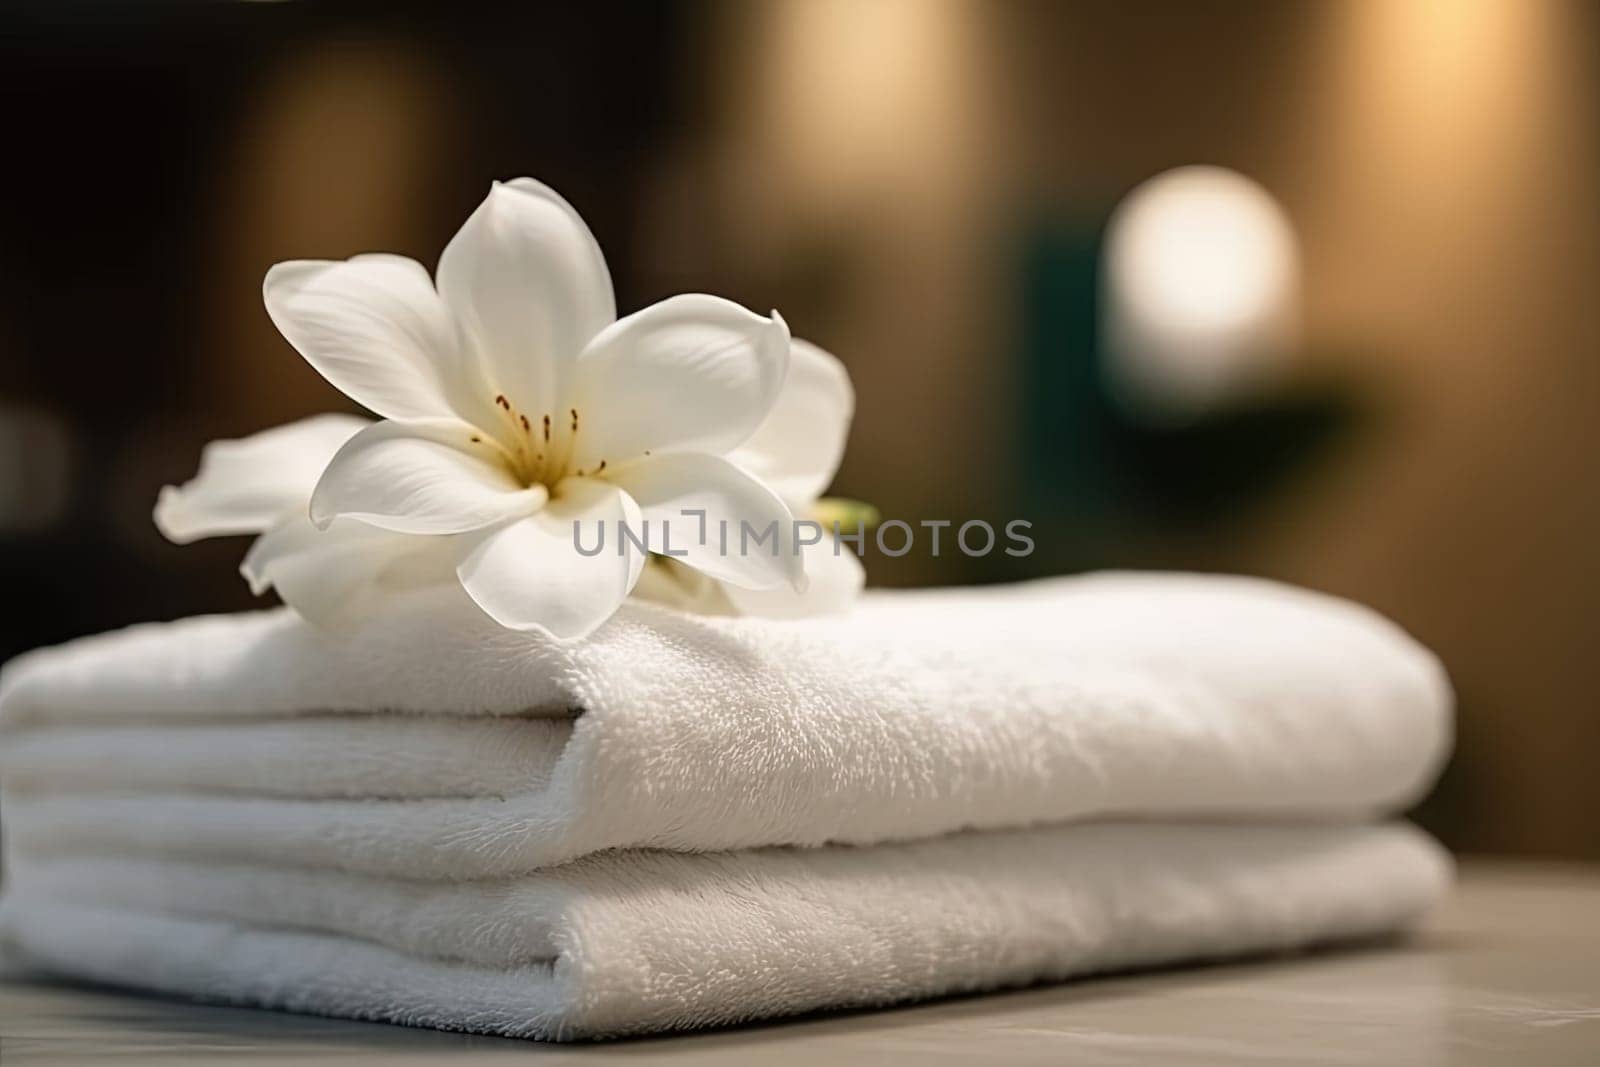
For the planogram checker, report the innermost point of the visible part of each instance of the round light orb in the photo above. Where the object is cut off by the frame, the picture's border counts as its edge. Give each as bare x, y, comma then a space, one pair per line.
1201, 292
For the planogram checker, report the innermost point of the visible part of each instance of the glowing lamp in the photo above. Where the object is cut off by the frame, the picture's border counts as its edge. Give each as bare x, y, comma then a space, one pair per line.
1201, 292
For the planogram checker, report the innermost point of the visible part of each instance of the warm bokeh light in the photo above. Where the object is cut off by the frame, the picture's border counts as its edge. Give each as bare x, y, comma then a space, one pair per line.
857, 91
1202, 280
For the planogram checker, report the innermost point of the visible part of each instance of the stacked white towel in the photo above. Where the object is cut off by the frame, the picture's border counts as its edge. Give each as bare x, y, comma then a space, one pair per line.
429, 820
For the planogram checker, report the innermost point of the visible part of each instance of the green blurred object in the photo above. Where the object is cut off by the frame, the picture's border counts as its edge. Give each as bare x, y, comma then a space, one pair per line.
1088, 462
845, 513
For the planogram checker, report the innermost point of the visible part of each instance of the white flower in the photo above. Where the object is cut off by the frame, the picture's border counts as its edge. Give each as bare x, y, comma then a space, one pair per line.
796, 451
515, 405
262, 485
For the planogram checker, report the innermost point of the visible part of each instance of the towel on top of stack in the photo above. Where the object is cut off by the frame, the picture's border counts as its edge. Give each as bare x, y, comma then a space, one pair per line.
401, 820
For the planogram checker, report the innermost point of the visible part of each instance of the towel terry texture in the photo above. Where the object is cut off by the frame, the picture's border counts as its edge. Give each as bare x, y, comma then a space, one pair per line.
922, 713
428, 819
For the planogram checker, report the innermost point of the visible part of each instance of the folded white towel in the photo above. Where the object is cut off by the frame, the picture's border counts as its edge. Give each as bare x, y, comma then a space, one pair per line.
626, 942
919, 714
345, 822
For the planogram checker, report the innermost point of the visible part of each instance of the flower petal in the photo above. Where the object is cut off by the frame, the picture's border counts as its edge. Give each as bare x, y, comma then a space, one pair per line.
693, 373
834, 580
529, 574
247, 485
528, 282
739, 510
668, 582
327, 574
797, 449
431, 477
376, 329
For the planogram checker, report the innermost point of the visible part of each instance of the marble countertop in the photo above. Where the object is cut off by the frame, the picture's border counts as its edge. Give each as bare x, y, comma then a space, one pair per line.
1508, 971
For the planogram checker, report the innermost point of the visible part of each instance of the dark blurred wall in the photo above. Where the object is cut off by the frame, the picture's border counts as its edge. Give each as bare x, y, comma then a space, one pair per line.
162, 156
874, 169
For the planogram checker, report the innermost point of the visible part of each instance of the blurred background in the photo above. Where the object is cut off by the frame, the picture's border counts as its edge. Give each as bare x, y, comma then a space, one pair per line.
1304, 290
